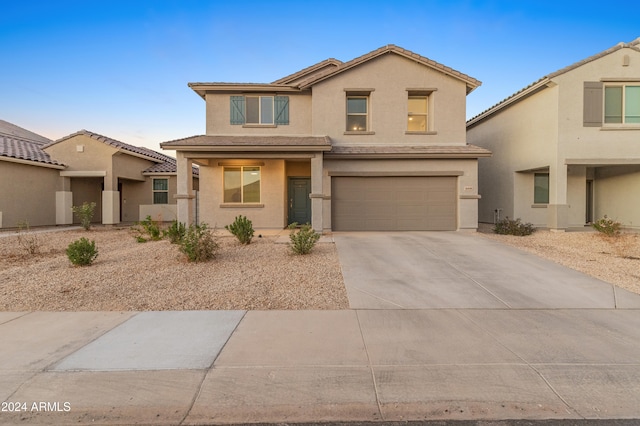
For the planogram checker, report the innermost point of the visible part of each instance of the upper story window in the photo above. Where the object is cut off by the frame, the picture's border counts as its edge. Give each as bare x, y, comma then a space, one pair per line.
357, 113
259, 110
622, 104
161, 191
241, 184
417, 107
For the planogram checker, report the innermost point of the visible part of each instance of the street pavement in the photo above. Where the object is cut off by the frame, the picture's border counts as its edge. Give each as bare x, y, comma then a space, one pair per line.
442, 327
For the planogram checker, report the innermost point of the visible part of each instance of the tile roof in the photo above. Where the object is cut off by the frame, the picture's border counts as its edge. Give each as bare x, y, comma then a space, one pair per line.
11, 130
409, 151
541, 82
21, 149
327, 63
273, 141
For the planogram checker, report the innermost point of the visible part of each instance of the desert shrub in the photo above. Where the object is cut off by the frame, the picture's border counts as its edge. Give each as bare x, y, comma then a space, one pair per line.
607, 226
28, 242
147, 230
242, 228
508, 226
175, 232
85, 212
82, 252
198, 243
302, 240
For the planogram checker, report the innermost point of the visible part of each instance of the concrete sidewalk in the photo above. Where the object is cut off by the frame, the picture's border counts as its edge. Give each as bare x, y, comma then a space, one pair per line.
319, 366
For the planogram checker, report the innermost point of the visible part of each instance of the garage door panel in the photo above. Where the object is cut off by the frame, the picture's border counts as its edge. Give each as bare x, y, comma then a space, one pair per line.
394, 203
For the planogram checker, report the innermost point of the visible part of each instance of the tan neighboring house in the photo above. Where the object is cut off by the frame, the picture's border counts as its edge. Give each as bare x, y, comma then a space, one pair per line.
375, 143
567, 147
41, 180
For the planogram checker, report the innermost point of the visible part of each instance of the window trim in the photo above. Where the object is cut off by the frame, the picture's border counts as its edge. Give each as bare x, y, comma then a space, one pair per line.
623, 122
410, 114
260, 99
155, 191
366, 114
242, 203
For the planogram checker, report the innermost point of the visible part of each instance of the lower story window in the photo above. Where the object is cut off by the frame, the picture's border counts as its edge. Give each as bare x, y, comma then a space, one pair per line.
541, 188
161, 191
242, 185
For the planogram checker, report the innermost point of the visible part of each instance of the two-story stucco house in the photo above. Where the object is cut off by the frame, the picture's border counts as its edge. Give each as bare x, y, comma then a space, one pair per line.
375, 143
566, 149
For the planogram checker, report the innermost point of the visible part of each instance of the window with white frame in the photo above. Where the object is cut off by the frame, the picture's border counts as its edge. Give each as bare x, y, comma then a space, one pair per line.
357, 113
241, 184
161, 191
541, 188
417, 107
259, 109
622, 103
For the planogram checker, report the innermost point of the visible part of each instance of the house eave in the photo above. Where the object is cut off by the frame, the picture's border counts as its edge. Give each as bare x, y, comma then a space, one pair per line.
392, 156
32, 163
203, 88
248, 148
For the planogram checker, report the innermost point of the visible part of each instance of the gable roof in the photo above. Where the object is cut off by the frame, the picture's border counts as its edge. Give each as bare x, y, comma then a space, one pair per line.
471, 82
26, 151
164, 163
543, 82
307, 77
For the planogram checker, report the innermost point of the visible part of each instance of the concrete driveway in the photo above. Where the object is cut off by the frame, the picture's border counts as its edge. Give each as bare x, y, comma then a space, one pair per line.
435, 270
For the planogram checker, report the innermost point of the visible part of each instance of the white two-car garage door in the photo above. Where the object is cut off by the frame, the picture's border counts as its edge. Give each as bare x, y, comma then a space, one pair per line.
398, 203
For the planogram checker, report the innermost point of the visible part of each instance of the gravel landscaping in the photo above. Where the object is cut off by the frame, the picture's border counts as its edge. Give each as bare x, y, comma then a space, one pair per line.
131, 276
614, 260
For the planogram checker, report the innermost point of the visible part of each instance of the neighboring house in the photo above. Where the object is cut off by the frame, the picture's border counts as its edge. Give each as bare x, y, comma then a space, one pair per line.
41, 180
567, 147
376, 143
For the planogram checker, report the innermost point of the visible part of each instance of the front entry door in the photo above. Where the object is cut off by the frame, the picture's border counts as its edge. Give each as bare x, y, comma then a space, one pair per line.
299, 201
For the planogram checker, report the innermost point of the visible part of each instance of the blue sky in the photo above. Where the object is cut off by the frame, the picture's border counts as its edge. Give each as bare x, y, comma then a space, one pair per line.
121, 68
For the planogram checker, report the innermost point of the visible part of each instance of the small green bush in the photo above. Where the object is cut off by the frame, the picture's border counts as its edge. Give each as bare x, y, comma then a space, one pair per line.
508, 226
82, 252
608, 227
242, 228
85, 212
198, 244
147, 230
175, 232
304, 239
28, 241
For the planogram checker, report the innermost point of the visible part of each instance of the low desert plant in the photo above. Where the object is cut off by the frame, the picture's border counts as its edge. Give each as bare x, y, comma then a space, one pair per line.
27, 241
147, 230
175, 232
198, 243
607, 226
302, 240
82, 252
242, 228
85, 212
508, 226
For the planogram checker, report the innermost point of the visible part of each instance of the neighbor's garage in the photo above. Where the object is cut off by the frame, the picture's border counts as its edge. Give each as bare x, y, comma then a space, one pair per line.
398, 203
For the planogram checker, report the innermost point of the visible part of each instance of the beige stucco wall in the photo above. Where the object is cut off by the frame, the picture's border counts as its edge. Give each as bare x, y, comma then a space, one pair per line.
87, 190
270, 214
467, 181
28, 193
521, 138
390, 76
617, 194
218, 116
96, 156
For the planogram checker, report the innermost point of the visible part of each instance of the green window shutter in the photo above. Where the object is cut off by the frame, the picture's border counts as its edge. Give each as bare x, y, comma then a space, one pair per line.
592, 113
237, 109
281, 104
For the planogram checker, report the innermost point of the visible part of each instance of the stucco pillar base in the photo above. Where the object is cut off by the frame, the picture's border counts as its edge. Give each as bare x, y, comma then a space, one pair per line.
185, 208
110, 207
558, 217
316, 192
64, 203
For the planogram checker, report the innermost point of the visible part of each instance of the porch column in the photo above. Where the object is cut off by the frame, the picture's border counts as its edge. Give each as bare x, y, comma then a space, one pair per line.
317, 193
64, 202
558, 210
110, 201
184, 192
